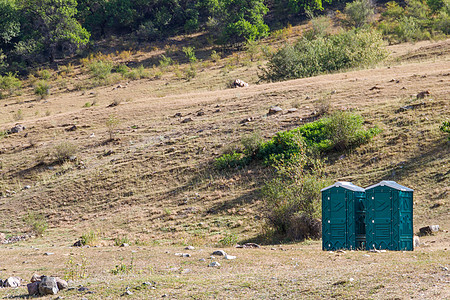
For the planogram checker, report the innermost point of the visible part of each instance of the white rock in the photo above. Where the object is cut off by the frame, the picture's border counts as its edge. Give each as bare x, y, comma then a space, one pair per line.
214, 264
230, 257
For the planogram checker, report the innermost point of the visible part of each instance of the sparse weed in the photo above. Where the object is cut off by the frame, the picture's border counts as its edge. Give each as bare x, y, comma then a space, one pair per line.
64, 151
111, 124
37, 222
215, 57
165, 61
75, 270
44, 74
9, 83
90, 238
445, 127
18, 115
190, 54
100, 69
122, 268
118, 241
229, 239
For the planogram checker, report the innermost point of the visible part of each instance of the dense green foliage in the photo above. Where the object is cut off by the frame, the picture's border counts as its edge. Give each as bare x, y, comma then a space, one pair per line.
321, 54
337, 132
418, 20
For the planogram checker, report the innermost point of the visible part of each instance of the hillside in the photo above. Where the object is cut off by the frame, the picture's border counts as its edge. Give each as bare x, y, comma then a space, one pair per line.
155, 183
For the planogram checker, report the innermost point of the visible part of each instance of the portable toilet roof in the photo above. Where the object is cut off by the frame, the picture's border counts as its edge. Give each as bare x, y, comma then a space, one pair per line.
346, 185
391, 184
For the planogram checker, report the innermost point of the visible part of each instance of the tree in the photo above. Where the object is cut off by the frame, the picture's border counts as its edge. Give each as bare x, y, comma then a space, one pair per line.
52, 24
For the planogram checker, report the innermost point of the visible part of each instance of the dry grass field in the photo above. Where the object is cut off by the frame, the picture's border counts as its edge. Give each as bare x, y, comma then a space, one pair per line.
154, 184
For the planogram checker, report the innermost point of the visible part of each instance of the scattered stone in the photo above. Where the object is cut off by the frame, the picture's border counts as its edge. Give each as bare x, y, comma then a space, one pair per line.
239, 83
202, 260
27, 187
333, 92
340, 251
351, 279
292, 110
183, 254
219, 253
35, 278
248, 245
444, 268
187, 120
78, 243
275, 109
246, 120
127, 293
422, 94
200, 113
48, 253
33, 288
366, 255
428, 230
178, 115
374, 88
61, 283
2, 236
125, 245
18, 128
48, 286
189, 248
408, 107
230, 257
217, 110
83, 289
12, 282
416, 241
214, 264
72, 128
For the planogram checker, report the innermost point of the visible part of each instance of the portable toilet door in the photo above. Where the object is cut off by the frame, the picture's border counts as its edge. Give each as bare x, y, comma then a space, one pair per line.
340, 204
389, 215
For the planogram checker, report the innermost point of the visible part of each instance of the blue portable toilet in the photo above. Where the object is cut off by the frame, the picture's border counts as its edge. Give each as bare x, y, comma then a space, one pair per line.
343, 215
389, 217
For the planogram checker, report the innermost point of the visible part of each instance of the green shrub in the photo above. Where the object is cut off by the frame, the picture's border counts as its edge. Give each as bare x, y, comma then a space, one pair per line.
100, 69
228, 161
358, 13
282, 146
89, 238
42, 89
122, 268
138, 73
445, 127
190, 54
122, 69
9, 83
44, 74
165, 61
229, 239
251, 143
348, 49
292, 197
38, 223
118, 241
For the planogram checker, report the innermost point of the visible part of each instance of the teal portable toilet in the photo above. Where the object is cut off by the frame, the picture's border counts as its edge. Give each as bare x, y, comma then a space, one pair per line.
343, 212
389, 216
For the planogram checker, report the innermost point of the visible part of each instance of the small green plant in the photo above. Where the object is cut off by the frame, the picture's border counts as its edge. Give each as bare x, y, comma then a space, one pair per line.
44, 74
100, 69
37, 222
190, 54
64, 151
75, 270
190, 72
111, 124
229, 239
138, 73
87, 104
42, 89
118, 241
18, 115
165, 61
215, 57
228, 161
445, 127
89, 238
9, 83
122, 268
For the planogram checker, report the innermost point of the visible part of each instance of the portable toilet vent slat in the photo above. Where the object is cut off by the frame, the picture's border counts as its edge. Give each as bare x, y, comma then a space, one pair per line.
343, 216
389, 215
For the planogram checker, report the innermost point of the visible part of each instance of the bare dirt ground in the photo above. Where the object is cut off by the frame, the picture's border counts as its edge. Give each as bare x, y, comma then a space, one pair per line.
156, 184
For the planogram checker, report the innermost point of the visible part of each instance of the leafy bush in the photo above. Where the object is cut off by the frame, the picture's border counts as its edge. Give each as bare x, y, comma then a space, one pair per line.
281, 147
9, 83
100, 69
348, 49
229, 239
37, 223
118, 241
42, 89
138, 73
358, 13
292, 197
418, 20
228, 161
445, 127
